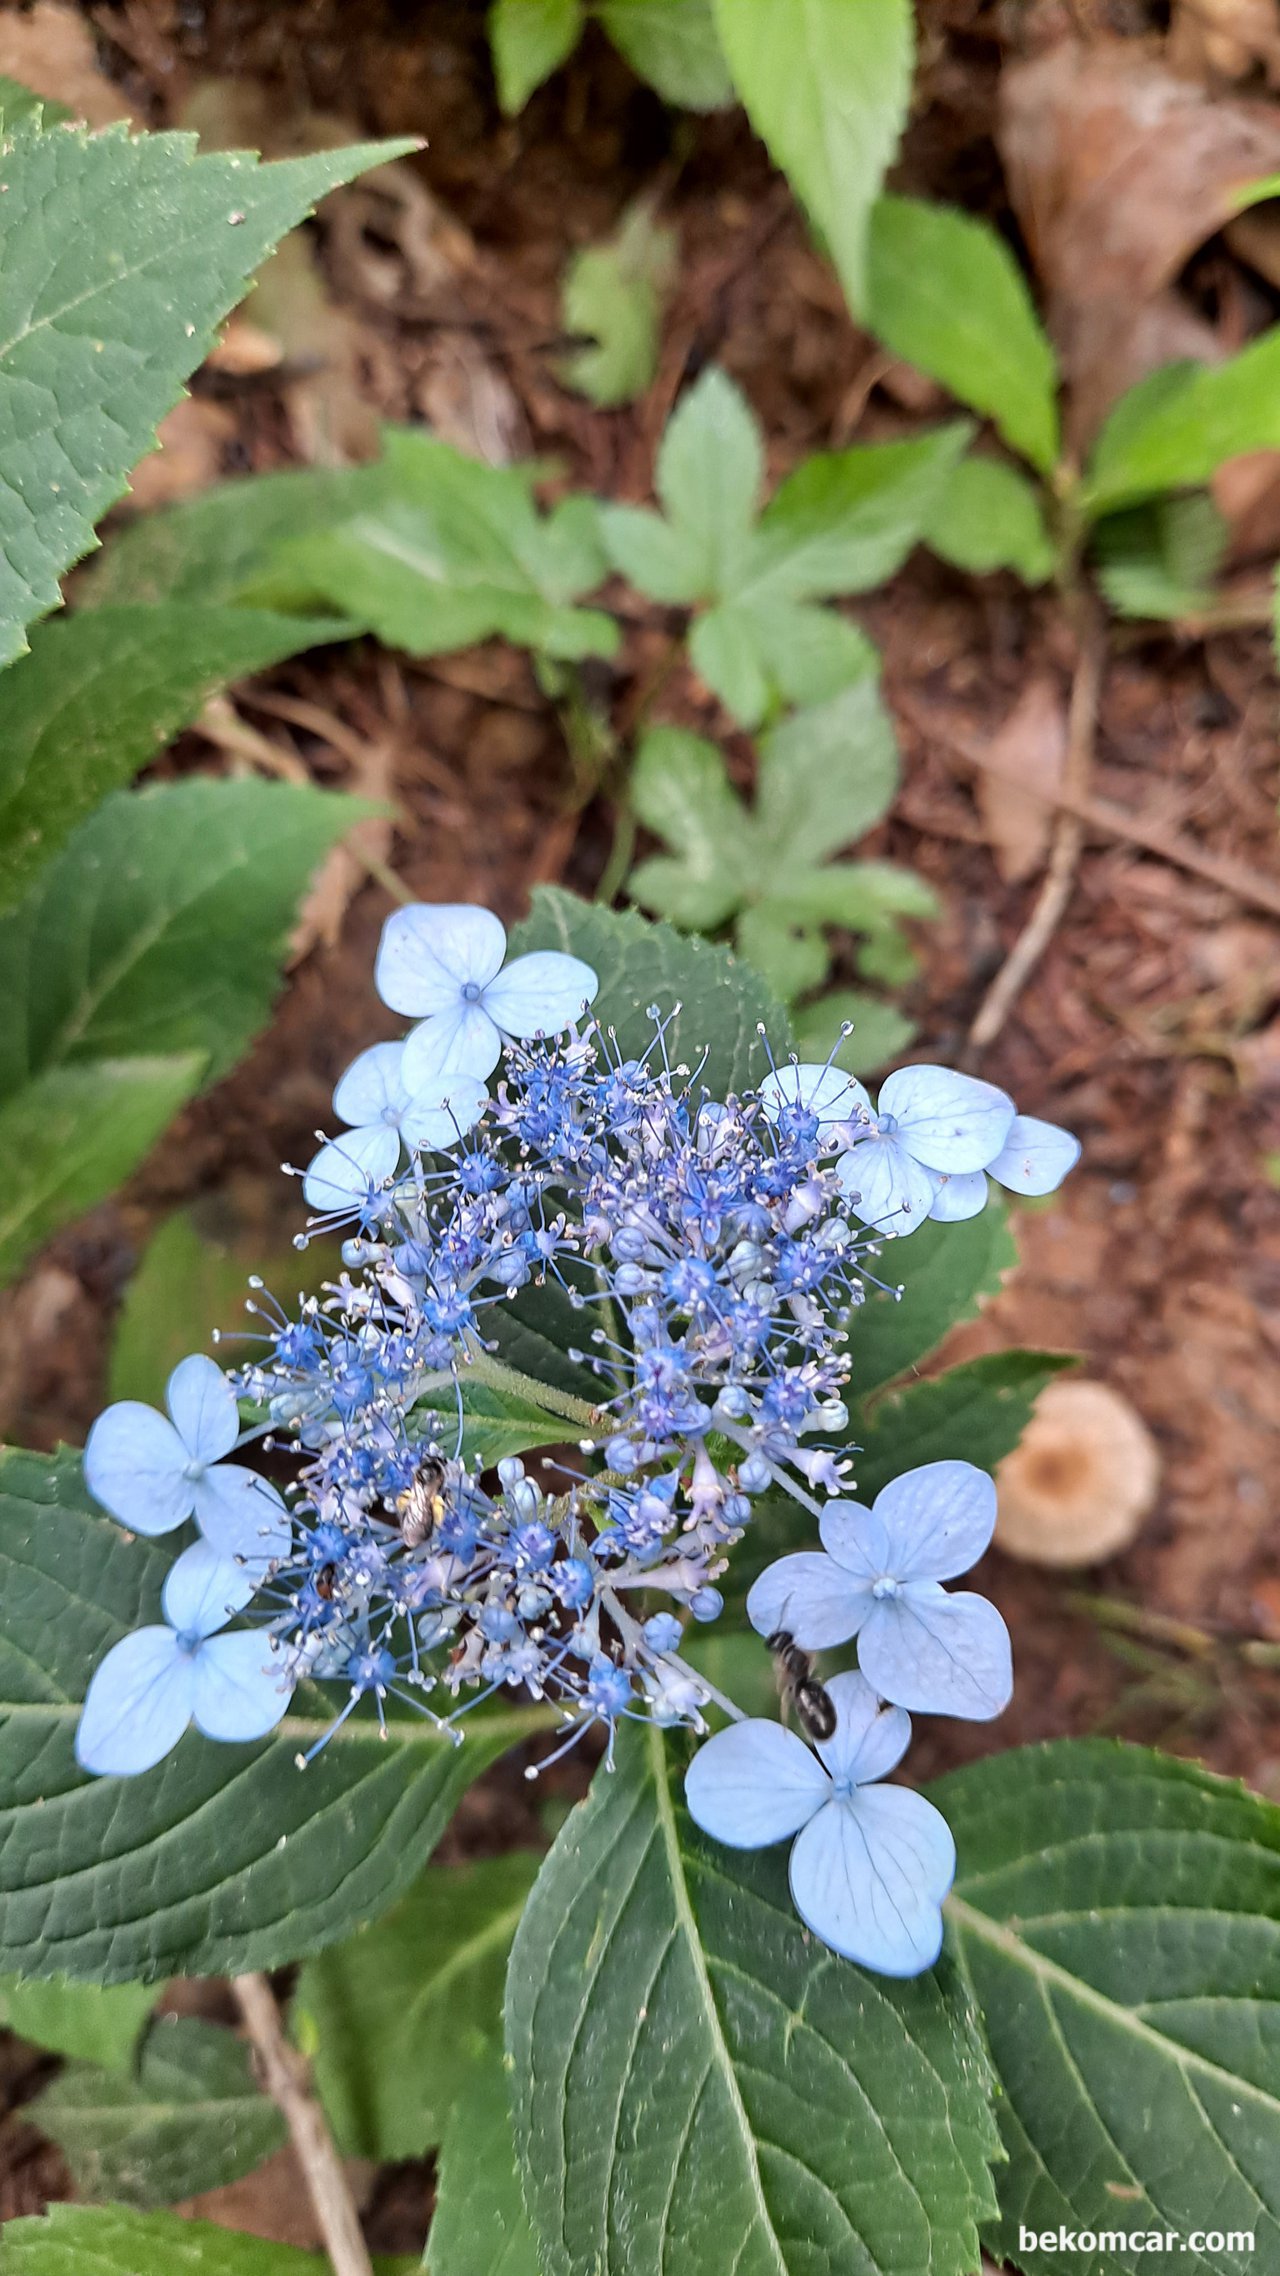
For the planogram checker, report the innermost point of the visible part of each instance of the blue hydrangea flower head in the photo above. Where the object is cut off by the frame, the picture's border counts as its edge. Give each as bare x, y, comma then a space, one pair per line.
442, 964
1035, 1158
374, 1099
878, 1577
871, 1864
156, 1681
153, 1472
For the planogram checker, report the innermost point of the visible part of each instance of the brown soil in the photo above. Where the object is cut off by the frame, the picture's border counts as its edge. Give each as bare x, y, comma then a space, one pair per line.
1152, 1026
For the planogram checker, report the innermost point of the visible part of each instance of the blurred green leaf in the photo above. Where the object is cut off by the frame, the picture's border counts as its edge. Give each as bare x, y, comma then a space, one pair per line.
191, 2119
105, 2240
96, 2023
530, 39
990, 517
1162, 558
945, 293
191, 1281
974, 1413
448, 552
826, 87
880, 1031
1173, 430
19, 102
479, 2226
613, 292
396, 2015
673, 45
98, 695
209, 549
844, 521
69, 1135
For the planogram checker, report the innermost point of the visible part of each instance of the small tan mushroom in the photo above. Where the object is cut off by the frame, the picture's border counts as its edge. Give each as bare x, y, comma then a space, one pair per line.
1083, 1478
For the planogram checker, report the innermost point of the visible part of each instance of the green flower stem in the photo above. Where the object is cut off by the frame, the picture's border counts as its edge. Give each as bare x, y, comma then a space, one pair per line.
499, 1377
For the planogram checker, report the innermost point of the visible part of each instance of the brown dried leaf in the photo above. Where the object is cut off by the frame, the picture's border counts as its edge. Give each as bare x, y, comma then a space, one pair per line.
52, 50
1118, 170
1031, 746
1224, 39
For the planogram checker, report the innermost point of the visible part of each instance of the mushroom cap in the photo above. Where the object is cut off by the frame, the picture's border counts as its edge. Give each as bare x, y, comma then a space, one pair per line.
1080, 1482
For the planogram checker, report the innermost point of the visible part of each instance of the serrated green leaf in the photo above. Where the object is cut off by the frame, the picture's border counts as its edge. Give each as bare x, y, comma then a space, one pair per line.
498, 1423
479, 2226
96, 2023
71, 1134
1174, 430
974, 1413
880, 1031
701, 2084
1162, 559
529, 40
826, 87
1118, 1915
710, 467
223, 1858
210, 548
989, 517
847, 519
722, 1003
98, 695
160, 925
119, 256
945, 293
448, 552
809, 654
680, 790
191, 2118
673, 45
945, 1273
613, 293
397, 2013
826, 776
534, 1332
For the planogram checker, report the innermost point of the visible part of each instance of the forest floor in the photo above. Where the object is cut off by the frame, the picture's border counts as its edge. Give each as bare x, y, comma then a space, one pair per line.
1151, 1025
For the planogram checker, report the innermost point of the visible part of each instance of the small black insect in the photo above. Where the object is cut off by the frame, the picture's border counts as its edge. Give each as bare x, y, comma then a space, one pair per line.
422, 1504
813, 1703
325, 1579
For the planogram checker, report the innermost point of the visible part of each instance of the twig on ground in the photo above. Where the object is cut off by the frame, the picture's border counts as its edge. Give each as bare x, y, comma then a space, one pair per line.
1112, 821
1068, 840
287, 2080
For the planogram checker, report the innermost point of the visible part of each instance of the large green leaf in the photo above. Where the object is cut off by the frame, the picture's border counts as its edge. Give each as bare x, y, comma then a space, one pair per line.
846, 519
223, 1858
945, 293
395, 2014
191, 2118
944, 1272
118, 257
708, 476
1173, 430
71, 1134
721, 1003
1118, 1916
192, 1283
699, 2084
99, 695
161, 925
826, 86
974, 1413
450, 551
98, 2023
672, 44
480, 2226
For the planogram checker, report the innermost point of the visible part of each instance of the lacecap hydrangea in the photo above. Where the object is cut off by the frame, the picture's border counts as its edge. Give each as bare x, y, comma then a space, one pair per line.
711, 1255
